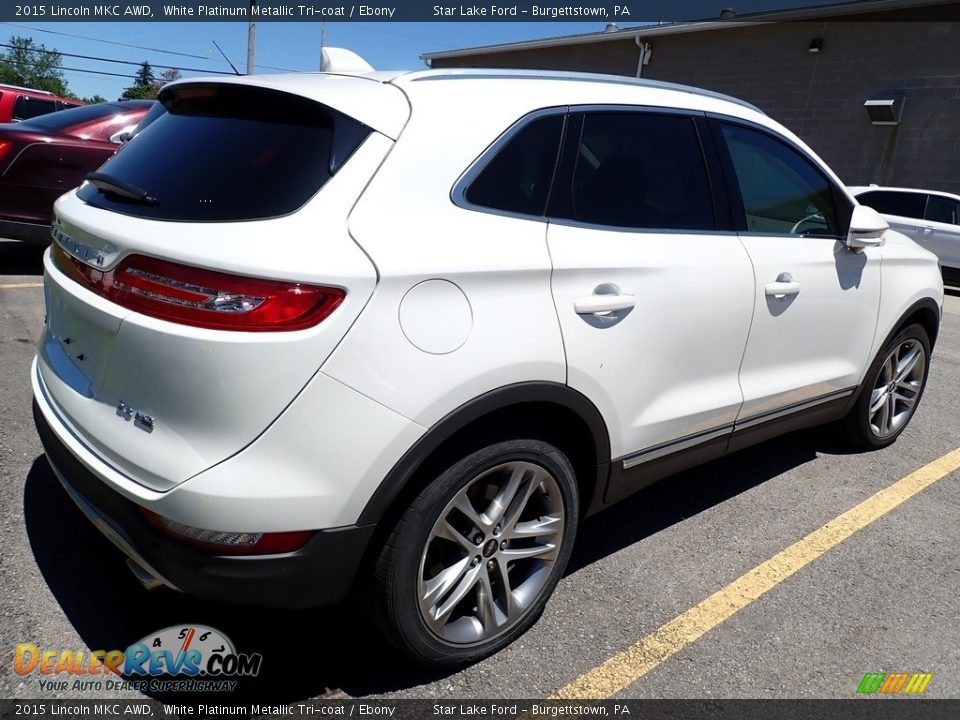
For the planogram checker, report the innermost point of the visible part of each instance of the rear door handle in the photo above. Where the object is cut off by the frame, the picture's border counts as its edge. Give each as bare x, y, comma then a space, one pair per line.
783, 286
602, 302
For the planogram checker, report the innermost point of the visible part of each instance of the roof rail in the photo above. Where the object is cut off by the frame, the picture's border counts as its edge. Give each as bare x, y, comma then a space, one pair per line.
20, 87
481, 74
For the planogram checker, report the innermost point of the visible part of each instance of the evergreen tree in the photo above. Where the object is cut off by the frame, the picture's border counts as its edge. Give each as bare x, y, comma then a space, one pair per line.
144, 85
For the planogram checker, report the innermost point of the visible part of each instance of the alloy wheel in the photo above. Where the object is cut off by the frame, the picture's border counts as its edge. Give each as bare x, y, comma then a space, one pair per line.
491, 552
897, 389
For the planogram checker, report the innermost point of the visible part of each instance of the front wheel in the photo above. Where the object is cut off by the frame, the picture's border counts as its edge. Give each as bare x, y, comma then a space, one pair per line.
891, 391
471, 563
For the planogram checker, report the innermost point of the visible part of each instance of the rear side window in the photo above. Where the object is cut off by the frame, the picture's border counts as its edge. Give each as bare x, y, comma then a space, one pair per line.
639, 171
942, 209
517, 179
27, 107
225, 153
782, 191
903, 204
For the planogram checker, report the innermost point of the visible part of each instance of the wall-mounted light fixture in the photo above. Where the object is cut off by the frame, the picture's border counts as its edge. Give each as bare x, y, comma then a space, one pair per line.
816, 45
886, 109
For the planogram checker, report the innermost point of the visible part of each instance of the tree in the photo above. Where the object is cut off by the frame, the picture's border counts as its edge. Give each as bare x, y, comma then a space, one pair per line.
32, 65
168, 76
144, 84
94, 100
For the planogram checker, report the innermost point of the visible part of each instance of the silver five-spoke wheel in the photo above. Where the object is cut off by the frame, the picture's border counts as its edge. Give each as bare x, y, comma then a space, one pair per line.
897, 388
490, 553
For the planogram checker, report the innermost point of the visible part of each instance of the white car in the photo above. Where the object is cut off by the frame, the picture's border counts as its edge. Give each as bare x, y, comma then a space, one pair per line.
930, 218
398, 333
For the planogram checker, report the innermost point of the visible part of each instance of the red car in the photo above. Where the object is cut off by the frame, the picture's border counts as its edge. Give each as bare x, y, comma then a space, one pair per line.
20, 103
42, 158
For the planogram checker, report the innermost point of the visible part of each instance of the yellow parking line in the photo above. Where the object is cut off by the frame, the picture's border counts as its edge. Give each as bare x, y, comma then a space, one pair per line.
630, 665
15, 286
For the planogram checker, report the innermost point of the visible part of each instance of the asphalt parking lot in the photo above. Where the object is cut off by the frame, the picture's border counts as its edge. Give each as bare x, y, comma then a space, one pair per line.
885, 599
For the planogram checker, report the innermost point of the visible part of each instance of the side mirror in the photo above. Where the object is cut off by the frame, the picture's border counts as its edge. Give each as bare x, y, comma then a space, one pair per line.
867, 228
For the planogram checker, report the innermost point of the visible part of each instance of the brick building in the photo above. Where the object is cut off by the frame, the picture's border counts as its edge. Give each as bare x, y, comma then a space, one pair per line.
811, 69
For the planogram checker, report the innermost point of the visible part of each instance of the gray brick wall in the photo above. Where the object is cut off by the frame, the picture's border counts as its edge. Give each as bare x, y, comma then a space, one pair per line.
819, 96
618, 57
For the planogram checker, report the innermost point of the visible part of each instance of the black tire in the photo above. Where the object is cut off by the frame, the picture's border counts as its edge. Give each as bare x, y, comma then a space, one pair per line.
860, 431
401, 571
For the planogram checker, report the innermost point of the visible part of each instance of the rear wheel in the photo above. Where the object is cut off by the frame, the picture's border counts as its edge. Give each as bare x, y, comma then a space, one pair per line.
470, 565
891, 391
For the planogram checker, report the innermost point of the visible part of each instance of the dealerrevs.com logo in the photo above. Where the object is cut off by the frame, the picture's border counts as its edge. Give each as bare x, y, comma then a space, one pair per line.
189, 658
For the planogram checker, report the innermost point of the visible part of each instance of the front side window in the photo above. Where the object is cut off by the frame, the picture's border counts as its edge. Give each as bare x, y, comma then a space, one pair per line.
517, 179
640, 171
942, 209
782, 191
902, 204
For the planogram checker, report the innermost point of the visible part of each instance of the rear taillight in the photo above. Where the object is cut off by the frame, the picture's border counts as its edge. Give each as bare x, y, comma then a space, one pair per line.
5, 146
229, 543
204, 298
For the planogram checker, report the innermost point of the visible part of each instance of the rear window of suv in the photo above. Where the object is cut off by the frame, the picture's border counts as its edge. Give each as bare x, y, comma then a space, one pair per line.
226, 153
29, 107
902, 204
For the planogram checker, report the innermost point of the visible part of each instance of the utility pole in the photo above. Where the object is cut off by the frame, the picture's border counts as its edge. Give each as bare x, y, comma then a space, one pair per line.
323, 41
251, 37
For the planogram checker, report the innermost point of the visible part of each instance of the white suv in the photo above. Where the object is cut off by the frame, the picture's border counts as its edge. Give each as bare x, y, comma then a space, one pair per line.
399, 333
930, 218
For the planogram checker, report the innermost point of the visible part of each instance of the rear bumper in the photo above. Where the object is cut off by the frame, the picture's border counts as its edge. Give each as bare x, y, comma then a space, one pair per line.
320, 573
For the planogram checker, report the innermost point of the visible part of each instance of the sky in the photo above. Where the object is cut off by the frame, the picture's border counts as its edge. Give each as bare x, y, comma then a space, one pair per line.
289, 46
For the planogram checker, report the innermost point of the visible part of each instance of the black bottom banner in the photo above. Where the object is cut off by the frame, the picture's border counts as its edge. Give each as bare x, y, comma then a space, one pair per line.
857, 709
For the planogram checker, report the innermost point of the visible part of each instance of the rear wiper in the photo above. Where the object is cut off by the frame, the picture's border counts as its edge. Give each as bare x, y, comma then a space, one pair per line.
114, 185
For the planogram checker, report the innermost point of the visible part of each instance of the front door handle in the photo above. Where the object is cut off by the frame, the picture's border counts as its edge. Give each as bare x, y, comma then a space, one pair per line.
603, 303
783, 286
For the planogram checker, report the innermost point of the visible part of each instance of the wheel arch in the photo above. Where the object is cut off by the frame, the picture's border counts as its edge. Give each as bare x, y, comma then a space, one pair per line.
541, 410
925, 312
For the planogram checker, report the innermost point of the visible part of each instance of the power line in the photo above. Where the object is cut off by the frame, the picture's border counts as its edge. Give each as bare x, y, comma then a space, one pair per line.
92, 72
109, 60
109, 42
136, 47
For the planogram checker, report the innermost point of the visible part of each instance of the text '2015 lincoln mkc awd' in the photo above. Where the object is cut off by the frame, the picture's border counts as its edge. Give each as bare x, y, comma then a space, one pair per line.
396, 334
